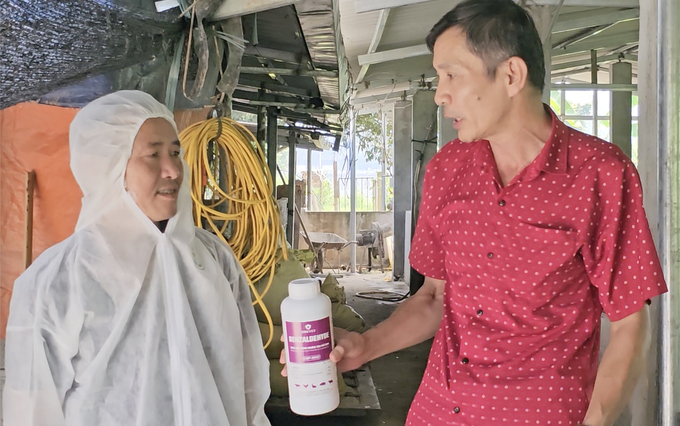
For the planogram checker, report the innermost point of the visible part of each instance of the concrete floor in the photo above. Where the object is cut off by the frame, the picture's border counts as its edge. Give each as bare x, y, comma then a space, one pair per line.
396, 376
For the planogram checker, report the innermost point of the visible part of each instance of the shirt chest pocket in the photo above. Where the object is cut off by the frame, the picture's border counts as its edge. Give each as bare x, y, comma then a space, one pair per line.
535, 253
506, 251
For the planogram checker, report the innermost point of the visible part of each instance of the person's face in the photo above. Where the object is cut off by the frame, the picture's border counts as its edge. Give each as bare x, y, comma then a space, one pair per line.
154, 171
467, 94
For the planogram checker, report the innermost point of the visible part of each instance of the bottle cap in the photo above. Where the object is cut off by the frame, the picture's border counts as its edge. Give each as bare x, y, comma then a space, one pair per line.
303, 288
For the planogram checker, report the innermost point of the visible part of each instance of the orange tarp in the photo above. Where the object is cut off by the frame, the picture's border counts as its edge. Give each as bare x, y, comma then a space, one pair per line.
33, 137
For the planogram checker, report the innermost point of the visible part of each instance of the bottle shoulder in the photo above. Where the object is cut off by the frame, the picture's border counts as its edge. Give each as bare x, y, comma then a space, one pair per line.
311, 309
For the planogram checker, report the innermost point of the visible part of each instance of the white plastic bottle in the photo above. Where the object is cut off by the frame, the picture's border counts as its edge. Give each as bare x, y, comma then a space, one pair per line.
308, 339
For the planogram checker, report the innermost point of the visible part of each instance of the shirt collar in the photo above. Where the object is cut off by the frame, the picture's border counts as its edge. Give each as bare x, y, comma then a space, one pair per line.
553, 157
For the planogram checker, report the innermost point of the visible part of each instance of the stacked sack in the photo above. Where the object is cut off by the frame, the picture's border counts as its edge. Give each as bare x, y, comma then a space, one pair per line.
343, 316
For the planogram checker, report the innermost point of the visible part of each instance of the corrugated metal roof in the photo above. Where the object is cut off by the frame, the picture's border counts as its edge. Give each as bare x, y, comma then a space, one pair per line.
408, 26
319, 29
357, 32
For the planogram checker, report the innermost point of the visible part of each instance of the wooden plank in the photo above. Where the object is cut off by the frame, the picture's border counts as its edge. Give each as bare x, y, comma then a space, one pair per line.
28, 247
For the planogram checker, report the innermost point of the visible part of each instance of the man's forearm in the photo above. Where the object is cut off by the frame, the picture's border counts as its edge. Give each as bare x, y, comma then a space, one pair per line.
621, 366
416, 320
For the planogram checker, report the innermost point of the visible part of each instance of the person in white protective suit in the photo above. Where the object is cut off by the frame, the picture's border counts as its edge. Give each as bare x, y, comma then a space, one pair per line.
139, 318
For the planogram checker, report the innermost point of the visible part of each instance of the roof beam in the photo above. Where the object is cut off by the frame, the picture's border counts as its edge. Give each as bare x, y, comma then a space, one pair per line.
613, 40
361, 6
377, 35
231, 8
393, 55
590, 86
589, 3
288, 71
278, 55
421, 50
383, 90
580, 36
266, 97
574, 71
596, 20
361, 102
574, 64
273, 87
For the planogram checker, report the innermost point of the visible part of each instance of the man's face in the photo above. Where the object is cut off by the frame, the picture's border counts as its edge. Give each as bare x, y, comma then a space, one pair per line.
154, 171
474, 100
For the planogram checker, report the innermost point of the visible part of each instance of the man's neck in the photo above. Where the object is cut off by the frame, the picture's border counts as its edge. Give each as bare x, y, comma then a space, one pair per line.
521, 137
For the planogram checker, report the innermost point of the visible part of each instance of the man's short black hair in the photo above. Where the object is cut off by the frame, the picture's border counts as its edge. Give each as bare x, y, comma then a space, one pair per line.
496, 30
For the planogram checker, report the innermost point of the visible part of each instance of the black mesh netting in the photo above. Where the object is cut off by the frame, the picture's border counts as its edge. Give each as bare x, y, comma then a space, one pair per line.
46, 45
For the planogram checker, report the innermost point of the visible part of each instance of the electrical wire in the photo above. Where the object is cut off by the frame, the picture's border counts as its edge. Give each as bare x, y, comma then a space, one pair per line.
383, 295
231, 170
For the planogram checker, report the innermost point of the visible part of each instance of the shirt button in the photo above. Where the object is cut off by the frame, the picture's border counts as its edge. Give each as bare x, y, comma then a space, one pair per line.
489, 255
464, 360
480, 312
456, 410
501, 203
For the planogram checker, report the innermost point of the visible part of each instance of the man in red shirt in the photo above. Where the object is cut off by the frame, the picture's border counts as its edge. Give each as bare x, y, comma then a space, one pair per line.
528, 231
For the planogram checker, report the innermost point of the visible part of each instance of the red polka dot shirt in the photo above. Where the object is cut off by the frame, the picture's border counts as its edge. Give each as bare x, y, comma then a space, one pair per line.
529, 269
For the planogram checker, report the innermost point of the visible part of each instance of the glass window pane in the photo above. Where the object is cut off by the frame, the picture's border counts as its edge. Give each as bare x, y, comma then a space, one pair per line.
603, 102
555, 101
578, 102
585, 126
603, 130
635, 109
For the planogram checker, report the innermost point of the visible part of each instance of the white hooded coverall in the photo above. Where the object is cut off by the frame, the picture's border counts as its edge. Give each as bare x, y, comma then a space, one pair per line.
122, 324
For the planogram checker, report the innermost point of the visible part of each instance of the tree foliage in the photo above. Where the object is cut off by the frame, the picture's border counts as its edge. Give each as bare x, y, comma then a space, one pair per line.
370, 140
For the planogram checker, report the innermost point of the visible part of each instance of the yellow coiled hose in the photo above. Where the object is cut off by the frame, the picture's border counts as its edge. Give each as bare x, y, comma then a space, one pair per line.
224, 150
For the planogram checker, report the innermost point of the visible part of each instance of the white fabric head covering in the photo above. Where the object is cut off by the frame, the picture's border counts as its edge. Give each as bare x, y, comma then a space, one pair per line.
101, 139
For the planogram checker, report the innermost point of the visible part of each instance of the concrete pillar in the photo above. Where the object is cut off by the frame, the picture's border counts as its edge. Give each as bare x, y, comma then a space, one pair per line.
656, 399
403, 184
668, 107
621, 104
425, 141
446, 131
353, 192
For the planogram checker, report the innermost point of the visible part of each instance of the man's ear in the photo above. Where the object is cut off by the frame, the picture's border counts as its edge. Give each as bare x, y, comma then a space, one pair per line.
515, 74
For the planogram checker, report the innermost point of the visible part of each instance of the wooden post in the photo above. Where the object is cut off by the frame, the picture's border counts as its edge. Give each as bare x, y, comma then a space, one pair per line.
28, 248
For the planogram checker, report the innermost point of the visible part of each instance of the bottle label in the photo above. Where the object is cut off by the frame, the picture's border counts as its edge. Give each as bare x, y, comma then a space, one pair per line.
309, 341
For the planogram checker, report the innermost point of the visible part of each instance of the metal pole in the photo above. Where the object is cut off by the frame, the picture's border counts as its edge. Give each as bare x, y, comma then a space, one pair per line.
353, 192
290, 228
261, 122
621, 104
383, 191
30, 192
668, 110
272, 144
593, 80
593, 66
309, 179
